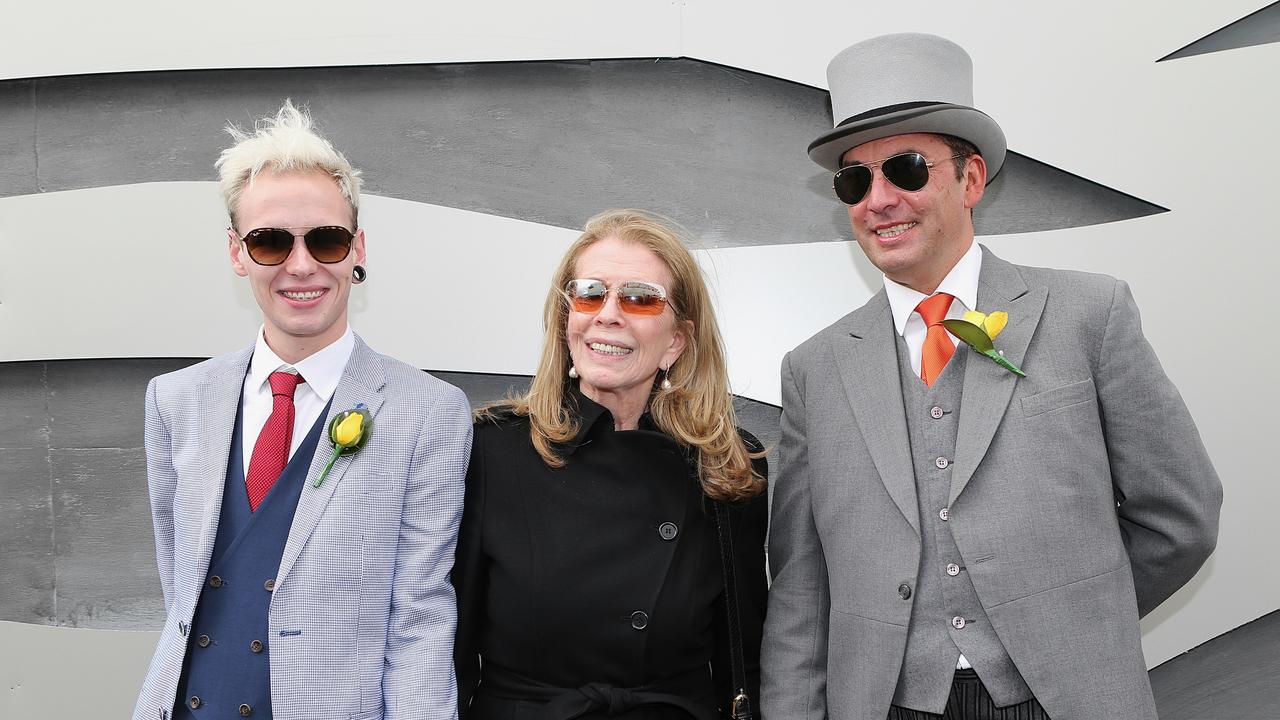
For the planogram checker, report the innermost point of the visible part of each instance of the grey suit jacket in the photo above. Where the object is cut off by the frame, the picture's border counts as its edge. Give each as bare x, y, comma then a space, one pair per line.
365, 573
1081, 498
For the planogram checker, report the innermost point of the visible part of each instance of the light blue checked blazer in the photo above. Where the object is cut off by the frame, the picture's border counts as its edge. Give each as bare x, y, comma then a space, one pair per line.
362, 618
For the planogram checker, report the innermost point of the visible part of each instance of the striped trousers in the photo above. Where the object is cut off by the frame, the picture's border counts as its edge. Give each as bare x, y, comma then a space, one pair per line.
969, 700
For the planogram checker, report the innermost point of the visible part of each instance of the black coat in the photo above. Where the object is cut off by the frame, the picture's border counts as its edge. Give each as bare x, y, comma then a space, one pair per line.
604, 571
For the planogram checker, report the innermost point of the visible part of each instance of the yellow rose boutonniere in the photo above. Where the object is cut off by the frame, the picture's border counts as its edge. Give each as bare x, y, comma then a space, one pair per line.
979, 331
348, 431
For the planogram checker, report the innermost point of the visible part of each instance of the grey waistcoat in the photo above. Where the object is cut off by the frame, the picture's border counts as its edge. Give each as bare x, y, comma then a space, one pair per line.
947, 618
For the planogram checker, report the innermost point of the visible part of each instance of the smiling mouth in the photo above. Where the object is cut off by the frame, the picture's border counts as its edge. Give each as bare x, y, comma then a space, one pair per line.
302, 296
607, 349
895, 230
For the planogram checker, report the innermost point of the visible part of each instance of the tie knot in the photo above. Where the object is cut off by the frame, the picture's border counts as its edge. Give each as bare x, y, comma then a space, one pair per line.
283, 383
934, 308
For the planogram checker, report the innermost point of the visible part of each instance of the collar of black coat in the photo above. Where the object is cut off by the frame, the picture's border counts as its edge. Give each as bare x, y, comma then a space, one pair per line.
591, 413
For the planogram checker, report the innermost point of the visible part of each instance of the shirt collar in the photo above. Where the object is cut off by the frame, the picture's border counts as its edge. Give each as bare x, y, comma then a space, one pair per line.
321, 370
961, 283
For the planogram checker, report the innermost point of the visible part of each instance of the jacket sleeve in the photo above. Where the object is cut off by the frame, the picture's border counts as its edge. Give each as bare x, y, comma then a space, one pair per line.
469, 579
794, 652
418, 676
162, 485
1167, 491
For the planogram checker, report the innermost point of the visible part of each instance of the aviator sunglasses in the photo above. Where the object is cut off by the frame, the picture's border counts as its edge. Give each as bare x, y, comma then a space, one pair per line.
271, 246
635, 297
908, 171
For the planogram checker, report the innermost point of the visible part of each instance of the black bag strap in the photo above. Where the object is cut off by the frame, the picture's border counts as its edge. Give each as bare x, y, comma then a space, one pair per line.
740, 708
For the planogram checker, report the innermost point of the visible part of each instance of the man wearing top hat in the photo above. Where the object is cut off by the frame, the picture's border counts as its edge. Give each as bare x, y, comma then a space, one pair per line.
305, 564
949, 538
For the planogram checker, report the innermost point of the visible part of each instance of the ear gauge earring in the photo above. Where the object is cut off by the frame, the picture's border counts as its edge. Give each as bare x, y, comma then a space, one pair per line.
573, 373
358, 274
666, 384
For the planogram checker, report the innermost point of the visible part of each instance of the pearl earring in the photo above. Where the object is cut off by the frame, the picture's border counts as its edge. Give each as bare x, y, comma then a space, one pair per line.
573, 373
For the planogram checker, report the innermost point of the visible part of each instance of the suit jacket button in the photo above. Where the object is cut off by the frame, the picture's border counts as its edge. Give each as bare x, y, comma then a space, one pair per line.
953, 569
269, 585
639, 620
942, 463
904, 591
958, 622
936, 412
194, 702
255, 646
203, 641
668, 531
945, 513
215, 581
245, 710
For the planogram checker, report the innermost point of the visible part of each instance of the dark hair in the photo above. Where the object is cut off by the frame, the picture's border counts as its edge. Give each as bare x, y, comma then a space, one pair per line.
962, 149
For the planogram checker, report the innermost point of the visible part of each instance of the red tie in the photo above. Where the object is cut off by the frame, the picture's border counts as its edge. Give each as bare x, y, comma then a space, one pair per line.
271, 452
937, 348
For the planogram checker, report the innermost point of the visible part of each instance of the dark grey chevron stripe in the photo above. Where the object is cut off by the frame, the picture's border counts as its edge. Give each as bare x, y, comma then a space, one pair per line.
1257, 28
720, 150
75, 523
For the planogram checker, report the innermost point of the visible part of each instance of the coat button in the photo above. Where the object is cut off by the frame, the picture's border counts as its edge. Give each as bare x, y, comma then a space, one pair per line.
203, 641
255, 646
904, 591
245, 710
936, 412
942, 463
639, 620
945, 513
194, 702
953, 569
215, 581
668, 531
269, 585
958, 622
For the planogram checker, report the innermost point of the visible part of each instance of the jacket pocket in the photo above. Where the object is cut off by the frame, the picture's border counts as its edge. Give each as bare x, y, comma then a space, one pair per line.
1059, 397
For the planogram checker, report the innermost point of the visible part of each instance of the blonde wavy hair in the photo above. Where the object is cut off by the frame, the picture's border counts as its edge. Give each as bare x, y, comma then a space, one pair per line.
698, 408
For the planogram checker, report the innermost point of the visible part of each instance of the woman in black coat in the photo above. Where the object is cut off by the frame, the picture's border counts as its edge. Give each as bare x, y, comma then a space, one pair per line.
589, 570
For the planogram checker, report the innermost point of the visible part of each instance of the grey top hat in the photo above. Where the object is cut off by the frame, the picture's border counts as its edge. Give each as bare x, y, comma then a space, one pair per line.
900, 84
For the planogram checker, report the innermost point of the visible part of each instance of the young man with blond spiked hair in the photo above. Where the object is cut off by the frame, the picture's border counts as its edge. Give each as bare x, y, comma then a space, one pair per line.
305, 490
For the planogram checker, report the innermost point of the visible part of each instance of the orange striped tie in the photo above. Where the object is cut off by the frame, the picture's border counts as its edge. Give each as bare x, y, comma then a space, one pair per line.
937, 348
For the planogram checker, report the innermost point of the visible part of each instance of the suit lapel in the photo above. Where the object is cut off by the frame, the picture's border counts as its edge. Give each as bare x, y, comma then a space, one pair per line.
362, 382
987, 386
219, 402
867, 358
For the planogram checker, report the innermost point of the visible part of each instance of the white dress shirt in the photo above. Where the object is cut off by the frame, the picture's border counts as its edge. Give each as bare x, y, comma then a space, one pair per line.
962, 284
320, 372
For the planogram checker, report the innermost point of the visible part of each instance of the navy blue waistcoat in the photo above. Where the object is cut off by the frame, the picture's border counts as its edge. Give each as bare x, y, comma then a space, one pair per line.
226, 673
